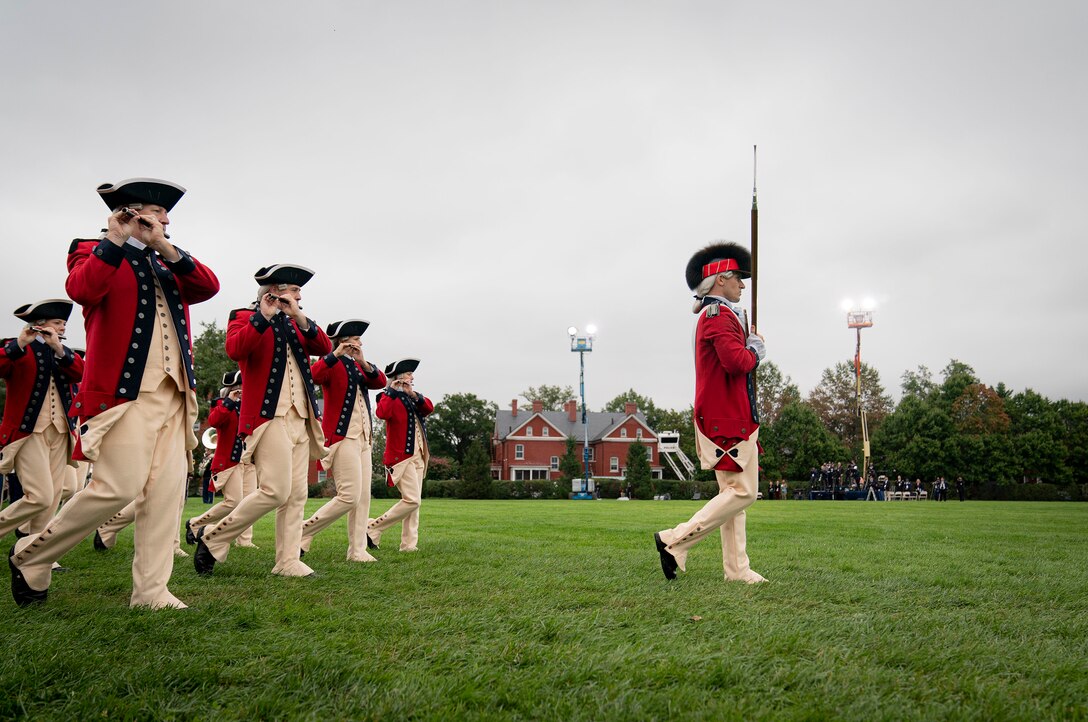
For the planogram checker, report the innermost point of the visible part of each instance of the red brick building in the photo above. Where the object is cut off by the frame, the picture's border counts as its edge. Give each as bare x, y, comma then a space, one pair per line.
528, 444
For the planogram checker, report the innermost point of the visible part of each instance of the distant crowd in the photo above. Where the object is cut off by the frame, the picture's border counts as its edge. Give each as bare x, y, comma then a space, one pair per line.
837, 476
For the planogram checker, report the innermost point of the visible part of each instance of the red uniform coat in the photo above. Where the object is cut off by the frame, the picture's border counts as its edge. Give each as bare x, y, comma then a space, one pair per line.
223, 417
725, 409
399, 412
115, 289
28, 372
341, 378
257, 344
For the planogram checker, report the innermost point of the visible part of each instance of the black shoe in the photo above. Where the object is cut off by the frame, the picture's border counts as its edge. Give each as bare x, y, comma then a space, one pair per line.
203, 560
19, 534
61, 570
99, 545
190, 537
370, 543
301, 553
668, 561
21, 592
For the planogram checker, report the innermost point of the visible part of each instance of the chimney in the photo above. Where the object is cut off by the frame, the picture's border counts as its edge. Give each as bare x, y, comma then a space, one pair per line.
514, 408
572, 410
538, 406
630, 408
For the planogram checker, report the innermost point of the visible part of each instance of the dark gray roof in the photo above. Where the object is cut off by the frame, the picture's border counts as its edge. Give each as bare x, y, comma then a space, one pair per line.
600, 422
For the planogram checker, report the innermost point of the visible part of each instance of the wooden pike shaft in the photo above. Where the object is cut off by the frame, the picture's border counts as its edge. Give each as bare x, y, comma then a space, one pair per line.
755, 243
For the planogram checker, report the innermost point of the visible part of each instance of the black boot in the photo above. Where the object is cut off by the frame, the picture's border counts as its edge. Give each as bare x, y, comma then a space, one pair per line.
21, 592
203, 560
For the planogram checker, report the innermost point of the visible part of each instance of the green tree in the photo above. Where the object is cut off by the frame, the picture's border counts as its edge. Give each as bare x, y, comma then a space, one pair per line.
914, 439
571, 466
834, 401
1039, 437
475, 473
553, 397
980, 448
638, 473
774, 390
379, 487
1073, 416
458, 421
957, 377
644, 403
796, 442
918, 383
210, 363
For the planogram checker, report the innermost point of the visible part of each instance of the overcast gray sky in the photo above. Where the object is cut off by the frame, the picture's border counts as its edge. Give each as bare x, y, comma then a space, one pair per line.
475, 177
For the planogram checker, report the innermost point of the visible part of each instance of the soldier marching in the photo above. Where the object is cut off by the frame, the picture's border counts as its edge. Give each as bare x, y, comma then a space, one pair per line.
110, 432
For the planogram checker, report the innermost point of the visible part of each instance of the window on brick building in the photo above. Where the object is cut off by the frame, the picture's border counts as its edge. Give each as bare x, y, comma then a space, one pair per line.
519, 451
529, 431
614, 464
623, 433
555, 463
544, 431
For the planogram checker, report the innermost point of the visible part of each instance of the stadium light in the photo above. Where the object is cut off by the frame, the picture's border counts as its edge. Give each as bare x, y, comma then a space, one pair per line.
583, 344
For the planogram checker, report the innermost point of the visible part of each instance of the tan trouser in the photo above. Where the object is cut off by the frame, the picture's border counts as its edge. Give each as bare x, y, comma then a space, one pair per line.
141, 457
236, 483
40, 463
108, 531
281, 457
736, 492
74, 480
408, 478
350, 465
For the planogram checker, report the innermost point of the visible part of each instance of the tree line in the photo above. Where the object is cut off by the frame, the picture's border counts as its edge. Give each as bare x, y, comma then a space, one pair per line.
956, 425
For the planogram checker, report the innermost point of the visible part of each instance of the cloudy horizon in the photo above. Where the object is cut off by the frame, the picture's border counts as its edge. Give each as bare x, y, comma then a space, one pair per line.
473, 178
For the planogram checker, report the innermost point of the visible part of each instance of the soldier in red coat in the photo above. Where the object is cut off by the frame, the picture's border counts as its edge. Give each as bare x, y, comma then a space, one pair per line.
406, 454
36, 435
279, 418
346, 378
726, 418
137, 401
235, 479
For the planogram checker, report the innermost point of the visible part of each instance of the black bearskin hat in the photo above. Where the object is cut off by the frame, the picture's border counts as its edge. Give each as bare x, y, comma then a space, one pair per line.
736, 258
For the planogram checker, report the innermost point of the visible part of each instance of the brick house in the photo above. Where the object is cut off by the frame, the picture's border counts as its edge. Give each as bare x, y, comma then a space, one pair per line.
528, 444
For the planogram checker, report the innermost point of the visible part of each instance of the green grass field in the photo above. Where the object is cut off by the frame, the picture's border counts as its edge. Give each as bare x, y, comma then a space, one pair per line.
558, 610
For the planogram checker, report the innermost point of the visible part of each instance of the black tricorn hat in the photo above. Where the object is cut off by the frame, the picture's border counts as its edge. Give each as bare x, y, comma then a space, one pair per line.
350, 327
718, 258
49, 308
402, 367
283, 273
232, 378
141, 190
